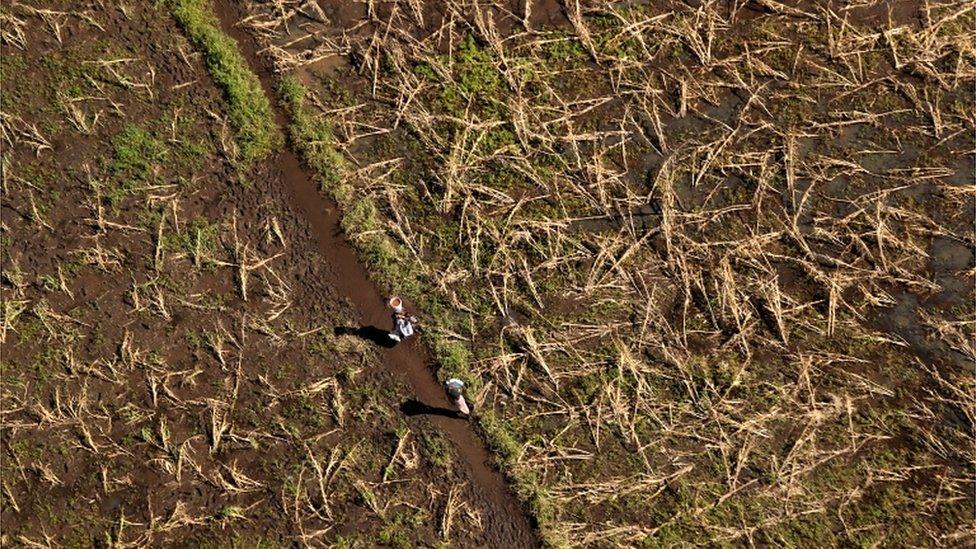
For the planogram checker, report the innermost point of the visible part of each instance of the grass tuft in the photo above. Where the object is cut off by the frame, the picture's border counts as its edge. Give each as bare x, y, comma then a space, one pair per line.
313, 138
248, 107
136, 153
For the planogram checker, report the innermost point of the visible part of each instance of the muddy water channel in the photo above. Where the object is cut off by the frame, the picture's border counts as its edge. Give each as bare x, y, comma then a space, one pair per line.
507, 525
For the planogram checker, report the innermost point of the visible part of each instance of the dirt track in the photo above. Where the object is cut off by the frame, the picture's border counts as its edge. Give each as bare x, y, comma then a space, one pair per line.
507, 524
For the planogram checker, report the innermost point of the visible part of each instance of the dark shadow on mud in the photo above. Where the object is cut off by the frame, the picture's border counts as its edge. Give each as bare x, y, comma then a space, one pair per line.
369, 333
414, 407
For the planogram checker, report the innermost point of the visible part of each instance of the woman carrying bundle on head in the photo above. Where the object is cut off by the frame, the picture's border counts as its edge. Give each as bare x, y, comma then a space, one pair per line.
403, 322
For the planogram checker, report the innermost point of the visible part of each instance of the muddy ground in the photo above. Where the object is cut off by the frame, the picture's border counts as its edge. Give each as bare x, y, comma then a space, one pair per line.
173, 360
707, 268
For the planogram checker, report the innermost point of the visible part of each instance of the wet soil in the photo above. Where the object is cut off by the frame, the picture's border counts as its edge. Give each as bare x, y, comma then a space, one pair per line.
60, 487
338, 272
507, 523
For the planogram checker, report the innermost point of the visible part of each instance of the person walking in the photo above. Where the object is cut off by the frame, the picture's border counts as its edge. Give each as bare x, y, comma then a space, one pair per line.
455, 391
403, 322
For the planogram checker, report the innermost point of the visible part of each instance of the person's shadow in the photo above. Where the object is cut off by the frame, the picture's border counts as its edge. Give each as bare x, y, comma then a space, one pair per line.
414, 407
369, 333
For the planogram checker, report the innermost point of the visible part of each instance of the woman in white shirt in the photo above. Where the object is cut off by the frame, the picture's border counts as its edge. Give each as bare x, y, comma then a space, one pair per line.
403, 322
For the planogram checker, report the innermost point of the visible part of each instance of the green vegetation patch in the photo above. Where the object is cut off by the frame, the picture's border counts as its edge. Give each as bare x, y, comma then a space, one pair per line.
313, 138
248, 107
135, 153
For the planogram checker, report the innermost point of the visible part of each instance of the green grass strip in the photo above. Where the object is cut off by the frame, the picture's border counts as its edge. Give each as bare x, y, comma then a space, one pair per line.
313, 139
247, 106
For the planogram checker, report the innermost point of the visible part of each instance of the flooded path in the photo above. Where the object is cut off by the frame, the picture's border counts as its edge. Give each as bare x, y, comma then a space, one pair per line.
506, 523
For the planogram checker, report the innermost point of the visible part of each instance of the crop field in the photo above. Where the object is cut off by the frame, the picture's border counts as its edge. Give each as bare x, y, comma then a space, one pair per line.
170, 372
706, 267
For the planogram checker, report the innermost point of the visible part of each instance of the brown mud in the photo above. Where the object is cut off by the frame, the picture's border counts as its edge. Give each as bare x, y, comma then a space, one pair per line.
507, 523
